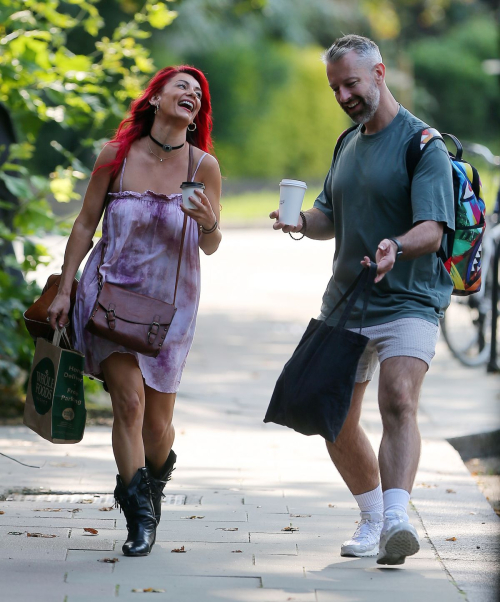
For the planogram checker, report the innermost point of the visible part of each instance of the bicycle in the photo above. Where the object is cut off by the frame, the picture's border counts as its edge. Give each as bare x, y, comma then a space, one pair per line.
466, 325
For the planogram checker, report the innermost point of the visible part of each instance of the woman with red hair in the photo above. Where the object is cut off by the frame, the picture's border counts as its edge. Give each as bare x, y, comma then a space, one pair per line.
146, 229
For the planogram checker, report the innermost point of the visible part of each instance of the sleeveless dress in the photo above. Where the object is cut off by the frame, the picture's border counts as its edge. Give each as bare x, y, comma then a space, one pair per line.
142, 233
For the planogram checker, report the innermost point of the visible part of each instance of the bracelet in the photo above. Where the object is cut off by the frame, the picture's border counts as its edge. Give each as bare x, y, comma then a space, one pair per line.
303, 229
212, 229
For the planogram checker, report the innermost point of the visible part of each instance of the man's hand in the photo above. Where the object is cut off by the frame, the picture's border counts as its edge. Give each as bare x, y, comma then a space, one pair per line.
279, 226
384, 258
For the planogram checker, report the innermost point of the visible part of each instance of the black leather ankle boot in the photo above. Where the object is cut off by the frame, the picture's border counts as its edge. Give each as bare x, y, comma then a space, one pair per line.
159, 480
137, 505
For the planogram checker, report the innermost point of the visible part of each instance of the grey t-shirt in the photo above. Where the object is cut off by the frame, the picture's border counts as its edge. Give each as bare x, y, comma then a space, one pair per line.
367, 197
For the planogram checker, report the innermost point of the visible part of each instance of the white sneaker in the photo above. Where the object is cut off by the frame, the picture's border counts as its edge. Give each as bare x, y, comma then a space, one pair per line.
365, 540
398, 539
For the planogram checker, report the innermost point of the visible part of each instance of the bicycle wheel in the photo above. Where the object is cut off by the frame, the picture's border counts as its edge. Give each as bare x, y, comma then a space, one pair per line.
466, 328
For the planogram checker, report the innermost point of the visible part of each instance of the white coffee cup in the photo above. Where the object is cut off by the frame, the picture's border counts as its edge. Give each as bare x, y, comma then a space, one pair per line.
291, 196
188, 189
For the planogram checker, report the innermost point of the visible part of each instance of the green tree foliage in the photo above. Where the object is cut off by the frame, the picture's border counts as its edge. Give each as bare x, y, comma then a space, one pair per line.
409, 20
280, 118
233, 21
456, 93
256, 54
274, 113
45, 79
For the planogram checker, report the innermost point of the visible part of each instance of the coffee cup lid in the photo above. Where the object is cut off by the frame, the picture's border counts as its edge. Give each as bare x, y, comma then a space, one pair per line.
193, 185
298, 183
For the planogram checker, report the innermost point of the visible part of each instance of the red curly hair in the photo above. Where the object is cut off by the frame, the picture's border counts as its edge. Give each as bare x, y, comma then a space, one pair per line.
141, 117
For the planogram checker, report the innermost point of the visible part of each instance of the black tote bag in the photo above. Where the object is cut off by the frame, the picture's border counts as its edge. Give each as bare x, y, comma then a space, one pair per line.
313, 393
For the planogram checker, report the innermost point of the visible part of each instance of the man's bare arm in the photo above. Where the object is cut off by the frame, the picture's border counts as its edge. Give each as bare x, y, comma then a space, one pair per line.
422, 239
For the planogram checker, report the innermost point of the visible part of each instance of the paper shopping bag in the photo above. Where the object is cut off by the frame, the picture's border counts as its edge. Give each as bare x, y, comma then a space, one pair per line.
55, 405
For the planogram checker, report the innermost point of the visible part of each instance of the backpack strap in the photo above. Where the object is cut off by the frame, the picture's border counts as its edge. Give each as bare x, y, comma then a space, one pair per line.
418, 144
340, 139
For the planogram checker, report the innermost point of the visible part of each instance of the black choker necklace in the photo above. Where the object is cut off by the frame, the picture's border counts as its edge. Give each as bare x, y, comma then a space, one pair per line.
166, 147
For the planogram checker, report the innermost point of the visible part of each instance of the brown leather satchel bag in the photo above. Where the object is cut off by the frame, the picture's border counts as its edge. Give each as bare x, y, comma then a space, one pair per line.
130, 319
135, 321
35, 317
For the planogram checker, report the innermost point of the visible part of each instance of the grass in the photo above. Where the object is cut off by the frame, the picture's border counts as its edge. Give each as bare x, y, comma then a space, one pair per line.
256, 206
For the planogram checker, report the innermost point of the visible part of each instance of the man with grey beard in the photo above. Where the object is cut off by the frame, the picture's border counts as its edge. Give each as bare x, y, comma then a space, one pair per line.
376, 214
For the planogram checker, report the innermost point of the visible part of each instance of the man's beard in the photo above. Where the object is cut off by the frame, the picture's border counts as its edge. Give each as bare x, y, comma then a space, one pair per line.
369, 106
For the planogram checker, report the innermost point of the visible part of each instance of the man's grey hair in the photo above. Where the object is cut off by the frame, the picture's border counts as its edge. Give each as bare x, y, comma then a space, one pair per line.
365, 48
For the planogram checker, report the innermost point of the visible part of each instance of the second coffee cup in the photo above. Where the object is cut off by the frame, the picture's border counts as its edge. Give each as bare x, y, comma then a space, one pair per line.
188, 189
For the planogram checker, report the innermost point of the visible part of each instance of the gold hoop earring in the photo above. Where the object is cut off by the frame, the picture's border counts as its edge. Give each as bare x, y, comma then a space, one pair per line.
191, 129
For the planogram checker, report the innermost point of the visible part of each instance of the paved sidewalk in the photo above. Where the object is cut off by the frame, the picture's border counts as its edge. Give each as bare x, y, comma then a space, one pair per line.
240, 483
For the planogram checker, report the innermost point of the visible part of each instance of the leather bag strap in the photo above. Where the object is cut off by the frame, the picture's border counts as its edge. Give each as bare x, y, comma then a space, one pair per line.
184, 224
183, 236
190, 165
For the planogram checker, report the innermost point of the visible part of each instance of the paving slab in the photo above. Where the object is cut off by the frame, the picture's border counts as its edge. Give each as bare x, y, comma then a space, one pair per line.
353, 595
237, 472
55, 592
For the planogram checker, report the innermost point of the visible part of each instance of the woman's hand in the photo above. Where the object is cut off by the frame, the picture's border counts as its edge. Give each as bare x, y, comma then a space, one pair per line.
58, 311
203, 215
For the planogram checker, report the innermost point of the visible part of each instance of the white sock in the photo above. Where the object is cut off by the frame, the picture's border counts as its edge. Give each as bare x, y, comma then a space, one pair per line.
396, 500
371, 501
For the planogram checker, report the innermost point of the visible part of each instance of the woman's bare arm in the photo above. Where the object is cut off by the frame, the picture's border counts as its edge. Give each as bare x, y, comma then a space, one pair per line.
80, 239
208, 205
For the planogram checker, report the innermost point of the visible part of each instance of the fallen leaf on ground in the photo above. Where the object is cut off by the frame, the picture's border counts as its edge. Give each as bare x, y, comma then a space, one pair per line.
300, 515
179, 550
226, 529
450, 491
236, 552
451, 539
191, 517
40, 535
2, 512
110, 560
86, 501
149, 590
106, 509
290, 529
425, 485
91, 531
472, 513
15, 533
75, 510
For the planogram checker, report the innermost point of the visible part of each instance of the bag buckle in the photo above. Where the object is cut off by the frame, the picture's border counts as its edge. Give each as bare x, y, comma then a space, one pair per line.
153, 331
111, 317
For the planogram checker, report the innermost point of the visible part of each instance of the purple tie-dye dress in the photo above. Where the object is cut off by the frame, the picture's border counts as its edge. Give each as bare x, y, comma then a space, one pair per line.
142, 234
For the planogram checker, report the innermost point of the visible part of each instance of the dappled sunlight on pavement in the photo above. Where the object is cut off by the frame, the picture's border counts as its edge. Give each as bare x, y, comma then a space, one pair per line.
259, 509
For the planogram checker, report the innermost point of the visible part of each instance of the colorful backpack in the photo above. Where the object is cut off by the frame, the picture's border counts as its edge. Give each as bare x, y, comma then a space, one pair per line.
462, 257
